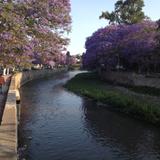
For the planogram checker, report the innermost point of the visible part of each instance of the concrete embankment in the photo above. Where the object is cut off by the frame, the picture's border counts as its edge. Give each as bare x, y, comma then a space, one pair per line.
9, 124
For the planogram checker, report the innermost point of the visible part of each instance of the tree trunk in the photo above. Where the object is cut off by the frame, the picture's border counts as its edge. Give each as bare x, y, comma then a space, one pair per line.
4, 71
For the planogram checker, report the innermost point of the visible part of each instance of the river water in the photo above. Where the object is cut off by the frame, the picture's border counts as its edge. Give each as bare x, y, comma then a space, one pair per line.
59, 125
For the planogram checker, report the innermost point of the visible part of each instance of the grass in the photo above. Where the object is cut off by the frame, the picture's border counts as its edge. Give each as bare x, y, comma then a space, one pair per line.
90, 85
145, 90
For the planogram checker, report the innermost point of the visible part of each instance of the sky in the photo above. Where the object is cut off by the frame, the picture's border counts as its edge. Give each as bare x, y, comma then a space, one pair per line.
85, 19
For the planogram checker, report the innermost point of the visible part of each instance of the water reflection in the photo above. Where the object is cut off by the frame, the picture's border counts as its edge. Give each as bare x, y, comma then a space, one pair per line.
57, 124
127, 138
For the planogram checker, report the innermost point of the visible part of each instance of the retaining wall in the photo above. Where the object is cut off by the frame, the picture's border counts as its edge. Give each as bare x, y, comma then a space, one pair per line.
9, 125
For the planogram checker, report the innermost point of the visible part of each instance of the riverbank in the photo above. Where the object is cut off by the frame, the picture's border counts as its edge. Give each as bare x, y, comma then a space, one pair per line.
141, 107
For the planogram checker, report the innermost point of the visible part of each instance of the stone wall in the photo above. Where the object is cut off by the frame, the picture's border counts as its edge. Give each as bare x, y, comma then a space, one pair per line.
24, 77
128, 78
9, 125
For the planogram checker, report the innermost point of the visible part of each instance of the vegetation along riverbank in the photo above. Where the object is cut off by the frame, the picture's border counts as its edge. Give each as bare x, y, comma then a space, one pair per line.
141, 107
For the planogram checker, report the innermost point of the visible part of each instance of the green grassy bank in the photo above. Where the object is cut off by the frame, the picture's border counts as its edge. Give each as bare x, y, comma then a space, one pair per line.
145, 90
88, 84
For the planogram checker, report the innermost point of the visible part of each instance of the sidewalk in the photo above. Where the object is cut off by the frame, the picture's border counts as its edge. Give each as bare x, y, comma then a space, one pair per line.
3, 96
8, 126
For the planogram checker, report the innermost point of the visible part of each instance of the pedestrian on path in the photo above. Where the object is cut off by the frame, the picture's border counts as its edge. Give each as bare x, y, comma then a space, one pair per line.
2, 82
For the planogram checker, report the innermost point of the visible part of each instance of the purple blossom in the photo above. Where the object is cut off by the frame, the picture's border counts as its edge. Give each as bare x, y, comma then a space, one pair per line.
125, 45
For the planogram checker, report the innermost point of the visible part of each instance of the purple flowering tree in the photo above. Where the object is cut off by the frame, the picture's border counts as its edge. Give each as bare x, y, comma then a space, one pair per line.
138, 46
128, 46
47, 21
33, 30
13, 39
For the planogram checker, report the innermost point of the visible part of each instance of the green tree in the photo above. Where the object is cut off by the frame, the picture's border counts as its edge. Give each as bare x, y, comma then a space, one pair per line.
126, 12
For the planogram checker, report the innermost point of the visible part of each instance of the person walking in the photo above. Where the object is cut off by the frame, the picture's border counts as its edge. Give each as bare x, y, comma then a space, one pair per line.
2, 81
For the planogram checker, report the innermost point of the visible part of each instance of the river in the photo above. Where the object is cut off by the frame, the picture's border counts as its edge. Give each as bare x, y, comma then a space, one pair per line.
56, 124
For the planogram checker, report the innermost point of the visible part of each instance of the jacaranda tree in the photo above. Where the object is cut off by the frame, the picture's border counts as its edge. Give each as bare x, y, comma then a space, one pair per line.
129, 46
13, 39
33, 29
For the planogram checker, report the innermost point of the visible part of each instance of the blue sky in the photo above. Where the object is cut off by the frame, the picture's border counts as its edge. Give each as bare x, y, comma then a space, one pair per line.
85, 19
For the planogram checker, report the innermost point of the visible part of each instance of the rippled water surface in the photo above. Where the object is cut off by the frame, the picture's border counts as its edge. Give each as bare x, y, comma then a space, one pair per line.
59, 125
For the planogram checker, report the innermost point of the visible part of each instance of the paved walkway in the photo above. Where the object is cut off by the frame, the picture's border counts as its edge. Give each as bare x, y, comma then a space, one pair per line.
8, 126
